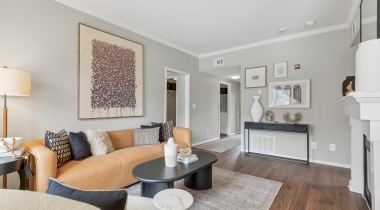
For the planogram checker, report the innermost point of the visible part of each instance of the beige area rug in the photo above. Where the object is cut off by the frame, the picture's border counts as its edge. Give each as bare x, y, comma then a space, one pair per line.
221, 145
230, 191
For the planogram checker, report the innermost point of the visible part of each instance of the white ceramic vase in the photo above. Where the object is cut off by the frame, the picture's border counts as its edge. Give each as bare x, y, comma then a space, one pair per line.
367, 71
256, 109
171, 151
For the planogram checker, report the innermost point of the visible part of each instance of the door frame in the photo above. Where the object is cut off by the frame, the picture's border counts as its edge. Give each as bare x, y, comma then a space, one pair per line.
228, 106
187, 95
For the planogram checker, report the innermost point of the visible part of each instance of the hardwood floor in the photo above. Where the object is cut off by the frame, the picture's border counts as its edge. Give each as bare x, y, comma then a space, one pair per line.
304, 187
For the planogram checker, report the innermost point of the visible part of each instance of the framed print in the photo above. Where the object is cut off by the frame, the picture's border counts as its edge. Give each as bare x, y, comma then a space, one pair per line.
255, 77
289, 94
281, 70
110, 75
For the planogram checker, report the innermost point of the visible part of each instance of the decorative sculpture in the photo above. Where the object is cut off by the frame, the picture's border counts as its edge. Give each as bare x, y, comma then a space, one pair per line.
297, 117
348, 85
185, 152
269, 116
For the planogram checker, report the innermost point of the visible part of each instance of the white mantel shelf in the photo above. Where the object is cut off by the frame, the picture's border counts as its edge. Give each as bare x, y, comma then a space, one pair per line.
363, 108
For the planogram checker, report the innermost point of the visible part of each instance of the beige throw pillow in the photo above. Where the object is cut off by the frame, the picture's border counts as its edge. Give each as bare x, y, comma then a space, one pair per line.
99, 141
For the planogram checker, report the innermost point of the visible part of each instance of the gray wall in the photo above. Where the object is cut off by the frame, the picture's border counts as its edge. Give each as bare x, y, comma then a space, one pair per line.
326, 59
41, 37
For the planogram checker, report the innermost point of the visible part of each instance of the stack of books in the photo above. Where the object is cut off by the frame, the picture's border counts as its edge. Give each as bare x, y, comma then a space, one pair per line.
189, 159
18, 151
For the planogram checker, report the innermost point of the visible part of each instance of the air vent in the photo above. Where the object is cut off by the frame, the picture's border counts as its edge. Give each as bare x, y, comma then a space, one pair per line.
262, 144
218, 62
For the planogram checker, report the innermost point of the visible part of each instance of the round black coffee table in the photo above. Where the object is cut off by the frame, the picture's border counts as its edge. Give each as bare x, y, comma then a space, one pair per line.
155, 176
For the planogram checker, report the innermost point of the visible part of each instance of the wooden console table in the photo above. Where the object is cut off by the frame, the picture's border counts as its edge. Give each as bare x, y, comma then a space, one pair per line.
280, 127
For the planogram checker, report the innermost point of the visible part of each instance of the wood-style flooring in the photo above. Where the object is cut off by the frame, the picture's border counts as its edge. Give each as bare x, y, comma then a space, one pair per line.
304, 187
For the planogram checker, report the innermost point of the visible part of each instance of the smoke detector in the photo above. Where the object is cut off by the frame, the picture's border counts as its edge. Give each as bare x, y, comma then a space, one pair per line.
310, 23
282, 30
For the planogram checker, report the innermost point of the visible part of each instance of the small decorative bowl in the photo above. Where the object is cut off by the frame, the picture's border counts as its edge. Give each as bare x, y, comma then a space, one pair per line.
8, 141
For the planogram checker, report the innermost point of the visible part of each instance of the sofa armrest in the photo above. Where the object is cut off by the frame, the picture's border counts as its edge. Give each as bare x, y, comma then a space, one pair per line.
182, 135
43, 164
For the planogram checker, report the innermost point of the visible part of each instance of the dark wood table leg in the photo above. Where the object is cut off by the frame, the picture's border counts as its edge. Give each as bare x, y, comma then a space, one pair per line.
201, 180
151, 189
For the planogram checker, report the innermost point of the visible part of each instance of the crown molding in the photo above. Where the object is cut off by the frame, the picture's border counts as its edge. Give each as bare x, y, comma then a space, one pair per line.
126, 26
280, 39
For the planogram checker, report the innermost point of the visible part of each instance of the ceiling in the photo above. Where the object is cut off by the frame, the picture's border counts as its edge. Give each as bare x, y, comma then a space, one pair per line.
206, 27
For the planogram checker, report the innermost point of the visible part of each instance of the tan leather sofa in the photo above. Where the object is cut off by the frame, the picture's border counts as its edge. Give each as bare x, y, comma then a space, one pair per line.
111, 171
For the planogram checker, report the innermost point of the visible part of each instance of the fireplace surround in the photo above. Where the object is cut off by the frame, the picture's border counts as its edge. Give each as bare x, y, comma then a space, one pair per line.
363, 108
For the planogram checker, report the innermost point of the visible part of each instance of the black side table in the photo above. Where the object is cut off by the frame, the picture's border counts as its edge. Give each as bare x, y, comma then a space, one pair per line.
9, 165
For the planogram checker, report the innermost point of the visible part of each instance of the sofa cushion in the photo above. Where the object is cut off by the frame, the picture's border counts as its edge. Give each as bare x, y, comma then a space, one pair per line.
167, 129
158, 125
121, 138
80, 147
92, 173
103, 199
59, 143
132, 156
146, 136
99, 141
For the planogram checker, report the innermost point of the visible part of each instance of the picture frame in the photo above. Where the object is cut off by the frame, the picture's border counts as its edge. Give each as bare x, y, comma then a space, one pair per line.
110, 75
255, 77
280, 70
289, 94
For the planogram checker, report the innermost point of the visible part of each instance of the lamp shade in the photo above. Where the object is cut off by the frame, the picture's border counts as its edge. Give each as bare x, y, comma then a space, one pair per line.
15, 82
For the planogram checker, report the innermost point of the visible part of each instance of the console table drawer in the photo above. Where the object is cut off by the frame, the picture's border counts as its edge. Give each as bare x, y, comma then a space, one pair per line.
272, 126
253, 125
296, 128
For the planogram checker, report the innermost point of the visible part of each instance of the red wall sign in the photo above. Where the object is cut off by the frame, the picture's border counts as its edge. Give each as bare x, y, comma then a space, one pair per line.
297, 66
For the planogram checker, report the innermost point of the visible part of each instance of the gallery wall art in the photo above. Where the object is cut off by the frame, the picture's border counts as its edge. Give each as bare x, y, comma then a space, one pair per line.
289, 94
255, 77
110, 75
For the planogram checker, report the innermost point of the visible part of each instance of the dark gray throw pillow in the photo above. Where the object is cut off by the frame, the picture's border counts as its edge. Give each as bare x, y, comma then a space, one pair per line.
103, 199
80, 148
158, 125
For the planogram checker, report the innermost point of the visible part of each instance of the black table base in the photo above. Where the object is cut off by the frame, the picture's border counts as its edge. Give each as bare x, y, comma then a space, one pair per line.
149, 190
202, 180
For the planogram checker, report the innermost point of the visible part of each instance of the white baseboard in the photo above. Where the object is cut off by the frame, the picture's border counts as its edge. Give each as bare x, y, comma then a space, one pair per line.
330, 163
233, 133
206, 141
354, 187
316, 161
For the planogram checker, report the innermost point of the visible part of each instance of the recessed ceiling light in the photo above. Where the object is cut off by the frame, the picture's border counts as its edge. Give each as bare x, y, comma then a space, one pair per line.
235, 76
282, 30
310, 23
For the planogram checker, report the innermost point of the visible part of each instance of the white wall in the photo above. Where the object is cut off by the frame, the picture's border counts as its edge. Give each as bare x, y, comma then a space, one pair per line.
326, 59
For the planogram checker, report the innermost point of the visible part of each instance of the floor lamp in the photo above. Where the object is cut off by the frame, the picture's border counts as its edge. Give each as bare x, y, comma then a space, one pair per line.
12, 83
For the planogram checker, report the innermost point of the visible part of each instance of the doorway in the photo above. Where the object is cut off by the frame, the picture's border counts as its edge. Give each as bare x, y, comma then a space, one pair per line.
177, 97
224, 109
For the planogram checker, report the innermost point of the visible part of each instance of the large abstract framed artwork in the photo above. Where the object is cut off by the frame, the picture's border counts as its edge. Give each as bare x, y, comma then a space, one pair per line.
110, 75
289, 94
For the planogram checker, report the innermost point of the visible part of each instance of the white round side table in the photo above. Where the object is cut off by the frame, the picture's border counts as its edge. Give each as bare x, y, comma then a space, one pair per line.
173, 199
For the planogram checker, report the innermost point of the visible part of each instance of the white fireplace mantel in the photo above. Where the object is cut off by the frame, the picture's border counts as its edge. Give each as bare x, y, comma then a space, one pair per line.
363, 108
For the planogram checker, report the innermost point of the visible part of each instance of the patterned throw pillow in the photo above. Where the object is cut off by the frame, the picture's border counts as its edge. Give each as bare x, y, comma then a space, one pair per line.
158, 125
167, 129
59, 143
146, 136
